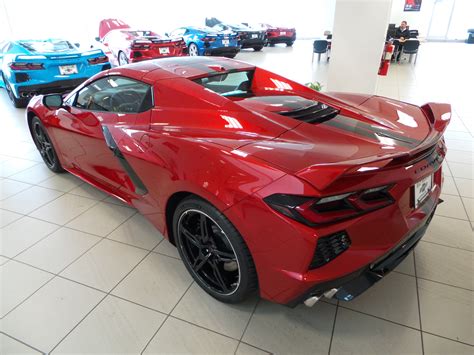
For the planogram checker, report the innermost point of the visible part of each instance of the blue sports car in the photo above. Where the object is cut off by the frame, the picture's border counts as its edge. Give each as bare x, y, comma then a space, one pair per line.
208, 41
33, 67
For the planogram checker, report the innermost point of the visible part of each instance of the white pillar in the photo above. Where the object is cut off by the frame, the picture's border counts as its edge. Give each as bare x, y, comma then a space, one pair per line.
360, 27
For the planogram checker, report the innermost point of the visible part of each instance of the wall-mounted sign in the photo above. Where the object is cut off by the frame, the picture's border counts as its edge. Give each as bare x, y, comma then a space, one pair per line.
412, 5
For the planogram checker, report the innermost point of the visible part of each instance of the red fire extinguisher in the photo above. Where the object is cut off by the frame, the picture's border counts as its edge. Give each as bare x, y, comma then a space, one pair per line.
386, 58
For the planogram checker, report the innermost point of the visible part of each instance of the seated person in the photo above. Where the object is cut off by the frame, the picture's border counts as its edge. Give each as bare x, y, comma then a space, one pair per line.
401, 35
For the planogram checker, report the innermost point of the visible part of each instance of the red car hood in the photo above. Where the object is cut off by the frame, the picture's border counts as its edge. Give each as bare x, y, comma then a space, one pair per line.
377, 129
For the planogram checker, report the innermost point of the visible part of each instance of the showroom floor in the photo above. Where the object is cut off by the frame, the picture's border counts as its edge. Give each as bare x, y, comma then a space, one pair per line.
82, 273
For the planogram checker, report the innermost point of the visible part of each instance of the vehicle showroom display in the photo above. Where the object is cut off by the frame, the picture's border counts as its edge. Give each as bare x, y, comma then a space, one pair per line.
261, 182
31, 67
248, 37
126, 45
208, 41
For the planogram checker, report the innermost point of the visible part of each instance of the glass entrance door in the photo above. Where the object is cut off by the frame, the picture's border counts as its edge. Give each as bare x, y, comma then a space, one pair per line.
440, 19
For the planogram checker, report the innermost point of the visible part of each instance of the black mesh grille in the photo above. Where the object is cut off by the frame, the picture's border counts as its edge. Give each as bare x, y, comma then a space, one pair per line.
328, 248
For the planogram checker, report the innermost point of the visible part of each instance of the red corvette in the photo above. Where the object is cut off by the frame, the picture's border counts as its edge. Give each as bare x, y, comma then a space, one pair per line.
277, 34
260, 182
125, 45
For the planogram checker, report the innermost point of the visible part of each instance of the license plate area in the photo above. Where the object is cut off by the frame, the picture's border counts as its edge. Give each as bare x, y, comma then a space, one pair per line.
421, 190
164, 50
68, 69
225, 42
282, 33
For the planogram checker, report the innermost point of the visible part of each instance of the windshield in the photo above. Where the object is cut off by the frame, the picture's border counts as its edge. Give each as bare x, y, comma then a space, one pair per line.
236, 83
51, 46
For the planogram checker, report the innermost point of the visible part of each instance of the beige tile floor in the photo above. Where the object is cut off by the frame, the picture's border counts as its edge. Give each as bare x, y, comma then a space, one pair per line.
81, 273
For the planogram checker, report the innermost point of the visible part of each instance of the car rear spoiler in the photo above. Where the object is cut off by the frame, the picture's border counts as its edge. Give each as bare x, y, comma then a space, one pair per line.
323, 175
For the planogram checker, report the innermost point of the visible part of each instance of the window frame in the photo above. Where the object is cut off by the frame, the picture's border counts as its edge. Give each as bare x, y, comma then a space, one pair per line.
75, 96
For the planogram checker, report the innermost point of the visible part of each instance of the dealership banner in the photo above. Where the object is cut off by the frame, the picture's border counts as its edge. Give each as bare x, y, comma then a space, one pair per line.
412, 5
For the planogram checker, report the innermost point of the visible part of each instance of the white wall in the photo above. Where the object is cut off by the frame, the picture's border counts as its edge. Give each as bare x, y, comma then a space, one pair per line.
80, 19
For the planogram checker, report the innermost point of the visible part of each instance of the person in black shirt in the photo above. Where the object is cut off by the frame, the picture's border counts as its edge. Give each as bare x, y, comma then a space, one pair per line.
401, 35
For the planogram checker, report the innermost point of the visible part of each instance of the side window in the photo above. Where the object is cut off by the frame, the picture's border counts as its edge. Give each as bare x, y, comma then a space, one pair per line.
115, 94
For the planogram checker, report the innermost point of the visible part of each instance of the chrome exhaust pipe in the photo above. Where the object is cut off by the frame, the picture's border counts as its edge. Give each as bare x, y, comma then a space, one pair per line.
310, 302
330, 294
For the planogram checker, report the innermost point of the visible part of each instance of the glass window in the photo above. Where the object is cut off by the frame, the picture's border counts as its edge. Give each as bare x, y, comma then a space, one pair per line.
178, 32
229, 84
4, 47
49, 46
115, 94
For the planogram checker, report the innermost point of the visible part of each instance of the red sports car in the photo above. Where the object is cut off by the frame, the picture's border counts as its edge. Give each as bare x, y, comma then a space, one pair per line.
261, 183
277, 34
125, 45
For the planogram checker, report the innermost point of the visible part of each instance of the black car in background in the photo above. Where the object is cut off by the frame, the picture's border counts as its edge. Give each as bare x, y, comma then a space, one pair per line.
248, 37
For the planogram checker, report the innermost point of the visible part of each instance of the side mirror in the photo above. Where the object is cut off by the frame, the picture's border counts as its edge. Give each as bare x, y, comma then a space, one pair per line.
167, 34
77, 44
53, 101
97, 39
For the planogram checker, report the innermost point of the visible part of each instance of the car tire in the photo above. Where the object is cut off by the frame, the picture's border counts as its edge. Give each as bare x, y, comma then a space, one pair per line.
193, 50
258, 48
289, 44
122, 58
17, 102
45, 145
230, 55
228, 261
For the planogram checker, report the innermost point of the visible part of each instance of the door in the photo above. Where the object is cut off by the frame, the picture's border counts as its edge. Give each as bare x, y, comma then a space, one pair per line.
440, 19
105, 104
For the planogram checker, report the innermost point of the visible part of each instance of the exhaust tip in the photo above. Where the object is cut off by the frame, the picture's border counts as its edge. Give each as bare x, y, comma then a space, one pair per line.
311, 301
330, 293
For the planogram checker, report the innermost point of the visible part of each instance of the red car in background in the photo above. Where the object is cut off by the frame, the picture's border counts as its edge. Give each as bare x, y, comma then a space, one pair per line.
126, 45
261, 182
275, 35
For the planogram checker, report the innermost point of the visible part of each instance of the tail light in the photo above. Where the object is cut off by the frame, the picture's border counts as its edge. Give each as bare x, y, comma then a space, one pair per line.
140, 45
98, 60
314, 211
25, 66
208, 39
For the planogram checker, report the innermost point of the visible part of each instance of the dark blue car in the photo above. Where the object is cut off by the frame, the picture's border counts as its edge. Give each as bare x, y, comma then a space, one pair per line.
208, 41
33, 67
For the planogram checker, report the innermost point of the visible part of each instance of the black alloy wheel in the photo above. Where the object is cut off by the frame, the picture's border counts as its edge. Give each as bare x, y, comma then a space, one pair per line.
44, 145
213, 251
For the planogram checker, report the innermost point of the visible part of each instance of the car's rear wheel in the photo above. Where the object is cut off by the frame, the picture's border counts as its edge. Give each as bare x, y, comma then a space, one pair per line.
17, 102
45, 146
258, 49
289, 44
230, 55
193, 50
122, 58
213, 251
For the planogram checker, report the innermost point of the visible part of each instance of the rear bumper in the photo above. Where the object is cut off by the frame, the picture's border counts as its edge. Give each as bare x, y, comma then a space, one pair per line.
352, 285
56, 87
281, 39
222, 51
250, 43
